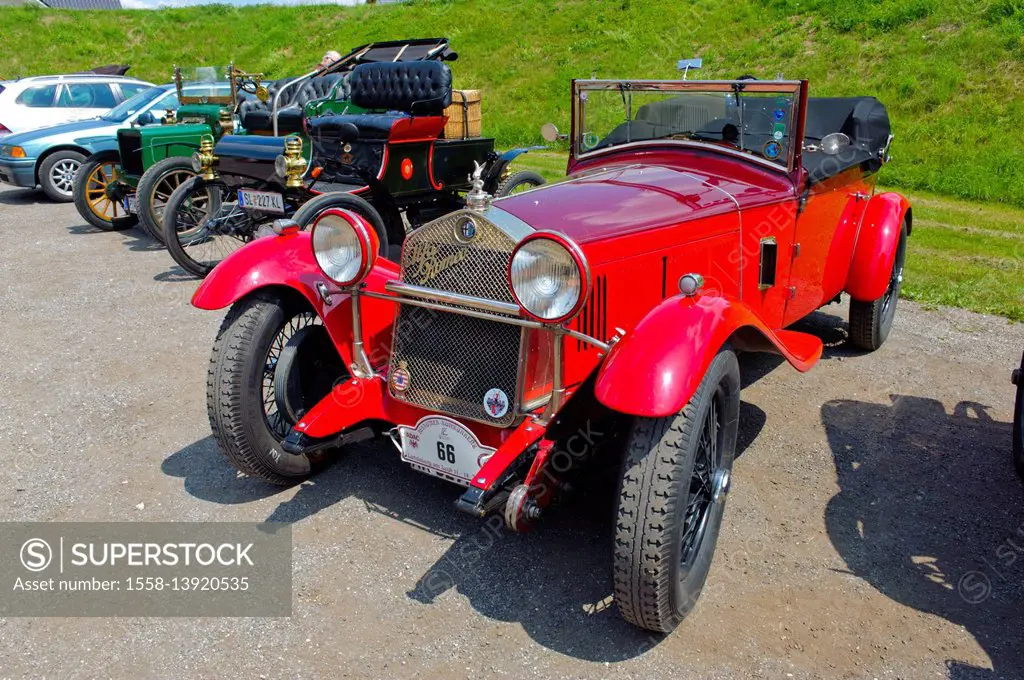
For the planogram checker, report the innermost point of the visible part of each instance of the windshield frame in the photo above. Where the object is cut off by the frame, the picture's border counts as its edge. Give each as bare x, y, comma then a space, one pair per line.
228, 74
796, 88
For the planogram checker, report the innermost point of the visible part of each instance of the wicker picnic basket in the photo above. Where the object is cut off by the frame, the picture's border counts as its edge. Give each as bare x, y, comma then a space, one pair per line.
463, 115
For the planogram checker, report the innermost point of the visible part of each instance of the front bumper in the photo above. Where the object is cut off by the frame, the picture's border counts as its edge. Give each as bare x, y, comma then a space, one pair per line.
21, 172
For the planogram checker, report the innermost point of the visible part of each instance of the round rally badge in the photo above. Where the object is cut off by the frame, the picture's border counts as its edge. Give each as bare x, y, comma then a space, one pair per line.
496, 403
400, 378
772, 150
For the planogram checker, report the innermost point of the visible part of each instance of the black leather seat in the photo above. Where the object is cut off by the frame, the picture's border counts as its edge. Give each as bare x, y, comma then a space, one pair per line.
401, 89
257, 116
371, 126
420, 88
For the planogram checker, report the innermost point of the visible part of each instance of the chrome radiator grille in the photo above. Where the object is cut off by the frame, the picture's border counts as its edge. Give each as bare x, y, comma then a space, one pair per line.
453, 360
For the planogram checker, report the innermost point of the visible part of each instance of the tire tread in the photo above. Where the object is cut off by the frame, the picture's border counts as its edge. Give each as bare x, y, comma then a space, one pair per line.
224, 389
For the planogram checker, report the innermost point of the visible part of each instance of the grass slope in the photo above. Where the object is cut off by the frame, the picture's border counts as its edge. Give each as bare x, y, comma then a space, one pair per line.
949, 70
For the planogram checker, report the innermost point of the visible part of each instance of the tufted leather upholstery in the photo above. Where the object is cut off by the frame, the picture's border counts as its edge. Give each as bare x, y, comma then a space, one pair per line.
371, 126
256, 116
421, 88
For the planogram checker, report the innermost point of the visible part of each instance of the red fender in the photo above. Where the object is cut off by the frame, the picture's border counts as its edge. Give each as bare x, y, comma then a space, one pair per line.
271, 261
287, 261
875, 250
655, 369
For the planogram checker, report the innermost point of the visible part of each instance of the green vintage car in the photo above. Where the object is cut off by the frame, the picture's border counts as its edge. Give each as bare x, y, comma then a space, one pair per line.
117, 189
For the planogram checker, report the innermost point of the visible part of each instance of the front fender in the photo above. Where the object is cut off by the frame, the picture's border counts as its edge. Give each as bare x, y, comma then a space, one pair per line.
286, 262
275, 261
271, 261
875, 250
655, 369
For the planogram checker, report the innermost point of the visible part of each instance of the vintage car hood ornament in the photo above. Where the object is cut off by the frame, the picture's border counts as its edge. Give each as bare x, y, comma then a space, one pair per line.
478, 199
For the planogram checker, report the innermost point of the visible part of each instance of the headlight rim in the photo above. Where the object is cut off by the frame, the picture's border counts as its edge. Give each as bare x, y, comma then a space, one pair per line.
366, 235
582, 266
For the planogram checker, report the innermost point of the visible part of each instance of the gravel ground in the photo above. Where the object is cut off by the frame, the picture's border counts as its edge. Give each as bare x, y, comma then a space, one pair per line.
874, 526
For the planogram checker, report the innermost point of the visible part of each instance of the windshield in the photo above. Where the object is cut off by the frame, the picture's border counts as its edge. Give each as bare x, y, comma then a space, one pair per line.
203, 84
753, 117
128, 107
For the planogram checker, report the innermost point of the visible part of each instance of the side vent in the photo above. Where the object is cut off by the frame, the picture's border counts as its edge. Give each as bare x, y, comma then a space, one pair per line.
593, 320
769, 263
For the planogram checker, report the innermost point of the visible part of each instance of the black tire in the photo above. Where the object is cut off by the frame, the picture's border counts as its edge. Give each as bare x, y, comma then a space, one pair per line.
248, 431
179, 210
1018, 420
524, 180
663, 551
870, 322
305, 215
152, 195
57, 174
90, 197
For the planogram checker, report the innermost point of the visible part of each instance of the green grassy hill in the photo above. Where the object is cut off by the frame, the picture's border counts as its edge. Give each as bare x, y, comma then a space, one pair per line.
949, 70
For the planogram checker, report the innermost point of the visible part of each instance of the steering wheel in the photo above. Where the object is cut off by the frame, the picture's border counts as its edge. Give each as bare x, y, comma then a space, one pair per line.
718, 131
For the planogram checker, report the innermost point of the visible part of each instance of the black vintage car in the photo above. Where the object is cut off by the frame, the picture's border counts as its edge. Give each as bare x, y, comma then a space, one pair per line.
398, 162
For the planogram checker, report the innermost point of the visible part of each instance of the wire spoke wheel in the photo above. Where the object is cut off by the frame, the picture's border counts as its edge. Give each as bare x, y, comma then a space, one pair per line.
672, 494
705, 483
204, 238
280, 423
165, 187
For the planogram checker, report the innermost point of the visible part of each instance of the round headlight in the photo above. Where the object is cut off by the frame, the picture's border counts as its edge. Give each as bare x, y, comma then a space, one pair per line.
344, 245
281, 166
197, 162
549, 277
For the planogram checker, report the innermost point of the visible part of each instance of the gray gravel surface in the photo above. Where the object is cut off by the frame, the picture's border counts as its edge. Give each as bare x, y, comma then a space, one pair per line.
867, 491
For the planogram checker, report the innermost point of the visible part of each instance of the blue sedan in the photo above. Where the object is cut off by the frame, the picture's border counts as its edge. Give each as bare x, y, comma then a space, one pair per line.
50, 157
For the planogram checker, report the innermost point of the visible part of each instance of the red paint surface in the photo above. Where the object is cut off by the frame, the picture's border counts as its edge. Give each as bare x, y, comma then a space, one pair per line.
876, 246
416, 129
655, 369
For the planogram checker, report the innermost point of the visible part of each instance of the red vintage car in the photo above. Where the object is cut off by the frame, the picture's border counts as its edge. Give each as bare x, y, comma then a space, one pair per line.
594, 319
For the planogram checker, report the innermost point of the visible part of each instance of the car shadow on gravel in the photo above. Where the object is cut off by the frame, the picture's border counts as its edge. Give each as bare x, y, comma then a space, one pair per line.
24, 197
931, 513
135, 238
554, 581
207, 475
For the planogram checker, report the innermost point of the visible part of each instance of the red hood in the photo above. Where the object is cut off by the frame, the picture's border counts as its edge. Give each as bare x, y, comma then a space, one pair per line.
619, 200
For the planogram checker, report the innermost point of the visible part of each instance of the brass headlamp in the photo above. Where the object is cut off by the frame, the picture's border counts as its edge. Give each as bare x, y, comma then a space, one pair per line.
203, 160
169, 117
227, 122
291, 165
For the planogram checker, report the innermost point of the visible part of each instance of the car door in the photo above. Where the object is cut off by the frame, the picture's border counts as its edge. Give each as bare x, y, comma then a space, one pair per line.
35, 107
86, 100
826, 231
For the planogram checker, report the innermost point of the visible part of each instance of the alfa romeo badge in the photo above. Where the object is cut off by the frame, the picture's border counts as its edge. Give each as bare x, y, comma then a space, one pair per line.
465, 230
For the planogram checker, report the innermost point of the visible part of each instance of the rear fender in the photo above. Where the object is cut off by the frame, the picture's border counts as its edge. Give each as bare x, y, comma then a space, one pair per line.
876, 246
286, 264
655, 369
